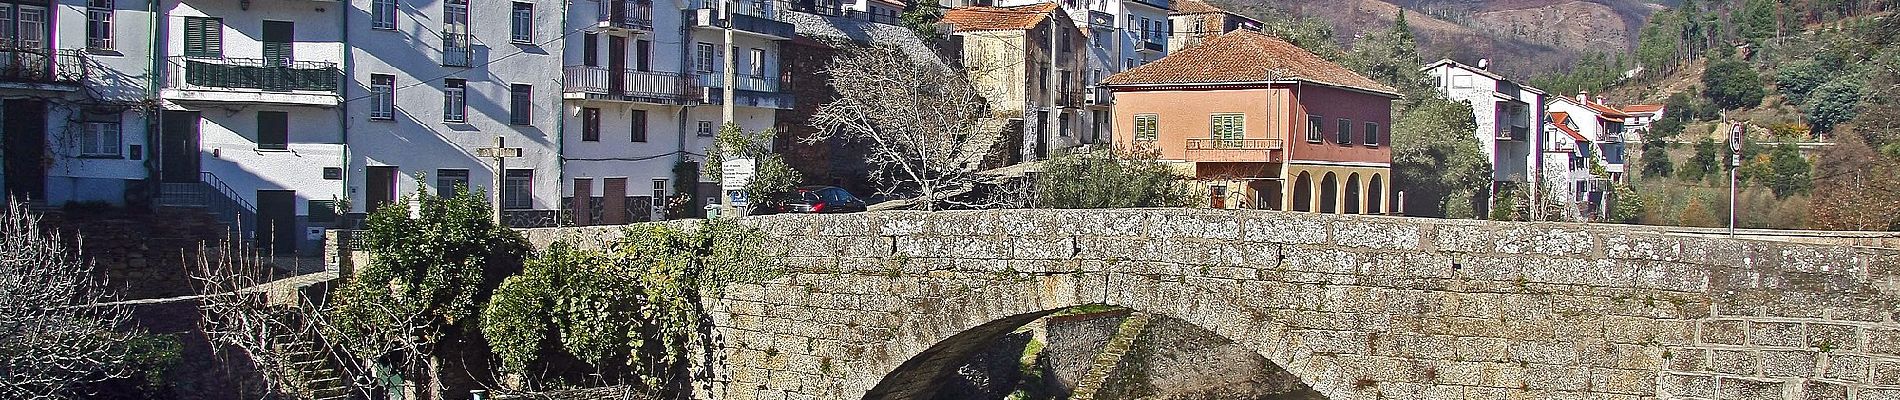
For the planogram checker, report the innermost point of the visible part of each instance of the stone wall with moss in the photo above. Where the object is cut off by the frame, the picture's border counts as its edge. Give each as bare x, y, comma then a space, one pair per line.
882, 305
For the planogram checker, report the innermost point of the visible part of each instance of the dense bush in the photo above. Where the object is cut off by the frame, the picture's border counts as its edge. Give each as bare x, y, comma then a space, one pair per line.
1732, 84
1834, 103
1109, 179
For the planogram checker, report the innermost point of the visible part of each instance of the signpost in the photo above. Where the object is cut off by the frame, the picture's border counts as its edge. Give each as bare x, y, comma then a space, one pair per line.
734, 174
501, 153
1735, 133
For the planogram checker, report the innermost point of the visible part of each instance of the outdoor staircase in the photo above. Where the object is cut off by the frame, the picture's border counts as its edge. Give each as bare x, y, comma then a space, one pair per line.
316, 377
1110, 356
216, 198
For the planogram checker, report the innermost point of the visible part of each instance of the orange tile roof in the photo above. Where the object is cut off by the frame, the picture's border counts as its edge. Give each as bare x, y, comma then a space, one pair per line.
978, 18
1642, 108
1607, 111
1562, 120
1244, 56
1196, 7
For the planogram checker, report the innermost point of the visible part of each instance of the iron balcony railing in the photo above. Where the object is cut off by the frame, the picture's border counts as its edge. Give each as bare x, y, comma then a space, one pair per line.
256, 73
747, 82
42, 65
1072, 98
627, 14
1513, 133
1156, 42
649, 86
1100, 96
457, 50
1233, 144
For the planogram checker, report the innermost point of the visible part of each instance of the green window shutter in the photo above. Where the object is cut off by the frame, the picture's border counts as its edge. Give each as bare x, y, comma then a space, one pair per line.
278, 36
273, 130
204, 37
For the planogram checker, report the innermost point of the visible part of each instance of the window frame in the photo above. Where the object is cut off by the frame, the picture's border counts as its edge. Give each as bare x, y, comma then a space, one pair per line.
42, 21
99, 24
704, 61
1342, 134
282, 138
638, 130
1372, 134
517, 180
92, 140
382, 92
445, 180
382, 15
521, 19
590, 124
1315, 128
706, 129
1150, 132
454, 100
1226, 127
520, 104
211, 31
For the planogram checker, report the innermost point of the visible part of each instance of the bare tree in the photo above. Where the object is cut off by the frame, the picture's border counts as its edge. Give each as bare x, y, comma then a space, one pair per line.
293, 348
923, 123
59, 331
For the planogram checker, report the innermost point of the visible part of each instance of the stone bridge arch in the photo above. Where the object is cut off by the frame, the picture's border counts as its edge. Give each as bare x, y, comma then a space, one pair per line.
1355, 306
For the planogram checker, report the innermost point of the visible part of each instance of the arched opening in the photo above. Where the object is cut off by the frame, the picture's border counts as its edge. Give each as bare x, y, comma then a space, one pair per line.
1352, 193
1375, 195
1329, 194
1303, 193
1107, 352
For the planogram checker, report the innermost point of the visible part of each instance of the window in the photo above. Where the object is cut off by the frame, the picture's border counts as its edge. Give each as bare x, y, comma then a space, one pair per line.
204, 37
278, 37
519, 107
454, 100
590, 49
703, 62
1344, 135
1062, 125
1147, 127
1129, 65
517, 189
448, 180
1227, 128
32, 25
382, 96
643, 51
1313, 131
273, 130
1200, 25
523, 31
1066, 41
99, 24
659, 192
705, 128
1372, 134
382, 14
101, 135
1145, 25
590, 124
639, 122
321, 211
758, 62
457, 49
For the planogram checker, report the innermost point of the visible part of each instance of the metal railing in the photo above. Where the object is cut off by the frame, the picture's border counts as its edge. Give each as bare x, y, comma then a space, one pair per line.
627, 14
254, 73
748, 82
1100, 96
668, 87
1234, 144
763, 9
457, 50
1515, 133
217, 198
1072, 98
42, 65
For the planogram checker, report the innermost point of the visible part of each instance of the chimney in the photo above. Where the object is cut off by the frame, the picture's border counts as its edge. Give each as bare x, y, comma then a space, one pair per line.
1583, 97
1484, 64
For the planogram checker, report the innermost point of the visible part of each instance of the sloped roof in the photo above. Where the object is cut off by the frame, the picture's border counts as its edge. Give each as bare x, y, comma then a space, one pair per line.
1244, 56
1195, 7
828, 31
1562, 121
979, 18
1642, 108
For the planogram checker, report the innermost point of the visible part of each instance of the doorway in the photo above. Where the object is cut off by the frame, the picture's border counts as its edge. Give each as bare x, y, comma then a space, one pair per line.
277, 221
178, 150
25, 169
379, 187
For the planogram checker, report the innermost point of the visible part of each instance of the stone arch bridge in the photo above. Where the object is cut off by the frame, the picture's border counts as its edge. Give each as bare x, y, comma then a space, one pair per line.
883, 305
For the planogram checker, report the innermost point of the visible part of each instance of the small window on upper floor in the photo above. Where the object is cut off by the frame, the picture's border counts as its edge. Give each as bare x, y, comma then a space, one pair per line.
1344, 132
99, 24
1147, 127
523, 17
382, 14
1372, 134
1314, 128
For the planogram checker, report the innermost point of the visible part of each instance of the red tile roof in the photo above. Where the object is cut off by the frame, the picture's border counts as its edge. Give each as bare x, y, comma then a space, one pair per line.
980, 18
1244, 56
1607, 111
1562, 120
1196, 7
1642, 108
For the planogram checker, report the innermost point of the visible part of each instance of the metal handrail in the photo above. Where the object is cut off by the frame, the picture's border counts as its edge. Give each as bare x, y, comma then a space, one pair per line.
42, 65
254, 73
633, 14
218, 184
748, 82
599, 80
1234, 144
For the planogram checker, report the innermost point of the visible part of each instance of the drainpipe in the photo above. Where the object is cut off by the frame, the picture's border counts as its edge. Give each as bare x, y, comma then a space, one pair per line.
153, 125
560, 122
686, 46
343, 110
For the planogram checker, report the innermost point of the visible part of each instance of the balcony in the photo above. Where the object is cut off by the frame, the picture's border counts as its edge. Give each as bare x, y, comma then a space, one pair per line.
1072, 98
1100, 96
36, 67
751, 91
632, 16
1101, 21
1154, 43
752, 17
581, 82
252, 80
1235, 150
457, 50
1513, 133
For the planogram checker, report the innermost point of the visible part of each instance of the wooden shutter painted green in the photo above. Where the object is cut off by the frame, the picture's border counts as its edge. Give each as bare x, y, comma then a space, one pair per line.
273, 130
204, 37
278, 36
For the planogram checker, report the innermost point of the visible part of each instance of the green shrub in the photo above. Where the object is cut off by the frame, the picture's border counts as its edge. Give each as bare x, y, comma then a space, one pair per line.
1109, 179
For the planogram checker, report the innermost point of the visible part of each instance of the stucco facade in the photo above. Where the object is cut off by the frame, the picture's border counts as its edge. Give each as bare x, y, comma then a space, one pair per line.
1036, 73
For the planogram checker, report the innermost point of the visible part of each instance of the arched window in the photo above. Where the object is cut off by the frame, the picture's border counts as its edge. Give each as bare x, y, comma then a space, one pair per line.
1329, 194
1352, 194
1375, 195
1303, 193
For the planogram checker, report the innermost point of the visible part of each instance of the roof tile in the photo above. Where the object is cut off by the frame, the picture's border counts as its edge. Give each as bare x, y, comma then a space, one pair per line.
1244, 56
978, 18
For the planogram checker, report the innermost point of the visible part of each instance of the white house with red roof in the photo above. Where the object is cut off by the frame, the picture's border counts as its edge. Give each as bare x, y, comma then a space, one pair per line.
1565, 159
1509, 117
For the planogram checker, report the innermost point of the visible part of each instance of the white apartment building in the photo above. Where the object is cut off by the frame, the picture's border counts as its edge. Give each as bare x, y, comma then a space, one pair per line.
1194, 21
252, 112
1510, 117
433, 82
73, 75
1567, 156
1121, 35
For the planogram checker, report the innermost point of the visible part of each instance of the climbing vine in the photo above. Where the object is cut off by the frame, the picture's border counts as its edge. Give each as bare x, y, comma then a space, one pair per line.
625, 314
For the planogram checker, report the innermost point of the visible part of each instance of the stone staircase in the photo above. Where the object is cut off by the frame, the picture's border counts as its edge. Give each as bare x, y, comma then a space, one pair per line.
1111, 356
313, 372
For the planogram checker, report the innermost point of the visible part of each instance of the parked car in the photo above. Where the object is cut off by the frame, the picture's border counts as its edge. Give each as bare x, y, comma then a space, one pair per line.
818, 199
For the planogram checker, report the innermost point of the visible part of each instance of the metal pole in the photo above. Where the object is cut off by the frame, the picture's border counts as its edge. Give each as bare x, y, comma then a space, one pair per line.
1735, 163
731, 75
501, 167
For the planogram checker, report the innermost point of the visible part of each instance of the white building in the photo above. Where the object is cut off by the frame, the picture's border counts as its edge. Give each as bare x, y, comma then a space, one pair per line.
433, 82
1601, 128
1567, 156
1510, 118
1121, 34
251, 101
72, 83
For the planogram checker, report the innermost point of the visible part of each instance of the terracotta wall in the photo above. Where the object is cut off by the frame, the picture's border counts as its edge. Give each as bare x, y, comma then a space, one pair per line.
1184, 114
1333, 104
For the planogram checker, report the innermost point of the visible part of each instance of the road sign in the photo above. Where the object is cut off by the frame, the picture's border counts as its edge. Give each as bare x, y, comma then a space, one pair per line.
737, 198
734, 174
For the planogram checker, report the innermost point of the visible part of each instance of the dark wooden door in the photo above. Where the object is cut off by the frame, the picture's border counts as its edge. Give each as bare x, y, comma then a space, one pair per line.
178, 150
617, 65
277, 221
25, 131
379, 187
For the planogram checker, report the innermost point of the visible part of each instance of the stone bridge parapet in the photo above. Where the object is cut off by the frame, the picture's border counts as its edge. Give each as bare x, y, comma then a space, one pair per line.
884, 305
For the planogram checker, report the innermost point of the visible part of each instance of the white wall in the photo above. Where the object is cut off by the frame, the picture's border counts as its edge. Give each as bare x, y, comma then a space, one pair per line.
228, 149
315, 26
